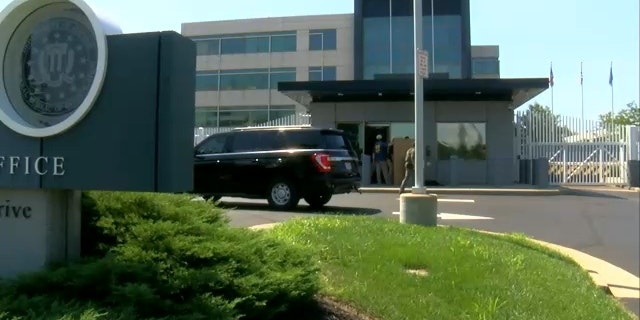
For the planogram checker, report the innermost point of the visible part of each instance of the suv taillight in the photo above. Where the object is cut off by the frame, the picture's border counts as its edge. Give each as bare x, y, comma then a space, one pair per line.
321, 161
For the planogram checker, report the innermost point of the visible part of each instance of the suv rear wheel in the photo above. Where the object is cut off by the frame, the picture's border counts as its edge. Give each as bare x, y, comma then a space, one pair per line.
317, 201
283, 194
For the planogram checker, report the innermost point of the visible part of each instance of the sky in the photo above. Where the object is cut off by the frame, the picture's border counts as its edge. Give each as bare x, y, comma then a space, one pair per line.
531, 35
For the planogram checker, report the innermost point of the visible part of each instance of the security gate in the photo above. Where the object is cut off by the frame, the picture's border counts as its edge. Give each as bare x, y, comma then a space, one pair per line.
579, 152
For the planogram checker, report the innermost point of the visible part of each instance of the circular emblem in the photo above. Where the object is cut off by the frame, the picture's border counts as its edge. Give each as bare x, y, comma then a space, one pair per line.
53, 65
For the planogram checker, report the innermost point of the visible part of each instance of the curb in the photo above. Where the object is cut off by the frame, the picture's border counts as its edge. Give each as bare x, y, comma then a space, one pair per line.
610, 278
476, 191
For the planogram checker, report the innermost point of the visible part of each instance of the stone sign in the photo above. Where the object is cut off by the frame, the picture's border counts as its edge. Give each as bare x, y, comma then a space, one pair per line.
84, 107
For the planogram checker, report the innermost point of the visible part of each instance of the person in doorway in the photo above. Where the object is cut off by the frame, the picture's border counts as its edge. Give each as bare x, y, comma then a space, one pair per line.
380, 150
409, 165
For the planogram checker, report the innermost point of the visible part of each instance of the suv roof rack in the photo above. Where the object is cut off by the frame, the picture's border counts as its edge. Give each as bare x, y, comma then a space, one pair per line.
274, 127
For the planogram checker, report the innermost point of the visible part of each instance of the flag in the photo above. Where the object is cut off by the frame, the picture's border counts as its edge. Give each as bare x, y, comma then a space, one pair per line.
581, 77
551, 76
611, 75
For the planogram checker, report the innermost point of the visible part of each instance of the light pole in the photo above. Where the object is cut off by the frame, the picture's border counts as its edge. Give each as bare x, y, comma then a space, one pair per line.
419, 98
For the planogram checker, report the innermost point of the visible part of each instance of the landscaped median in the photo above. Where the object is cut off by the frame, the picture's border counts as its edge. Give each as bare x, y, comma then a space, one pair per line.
389, 271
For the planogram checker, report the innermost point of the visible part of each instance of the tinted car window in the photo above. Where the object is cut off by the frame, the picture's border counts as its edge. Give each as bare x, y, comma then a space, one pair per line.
335, 141
214, 144
300, 140
249, 141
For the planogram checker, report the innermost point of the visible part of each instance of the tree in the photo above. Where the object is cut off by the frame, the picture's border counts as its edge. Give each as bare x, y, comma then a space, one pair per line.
629, 116
540, 124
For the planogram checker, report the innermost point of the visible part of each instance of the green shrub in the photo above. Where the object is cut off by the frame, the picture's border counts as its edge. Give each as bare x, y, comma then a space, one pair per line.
152, 256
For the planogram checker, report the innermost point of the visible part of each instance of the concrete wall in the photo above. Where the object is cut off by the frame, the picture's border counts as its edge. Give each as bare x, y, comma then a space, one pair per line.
342, 58
499, 133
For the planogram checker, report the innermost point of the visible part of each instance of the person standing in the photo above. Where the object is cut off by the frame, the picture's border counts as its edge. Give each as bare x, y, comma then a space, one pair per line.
409, 165
380, 150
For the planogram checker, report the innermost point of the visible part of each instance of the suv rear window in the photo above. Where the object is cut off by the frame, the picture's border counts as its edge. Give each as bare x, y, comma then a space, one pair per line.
249, 141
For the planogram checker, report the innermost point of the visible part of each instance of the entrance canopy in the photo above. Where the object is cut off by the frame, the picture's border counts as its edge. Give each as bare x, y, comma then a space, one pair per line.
518, 91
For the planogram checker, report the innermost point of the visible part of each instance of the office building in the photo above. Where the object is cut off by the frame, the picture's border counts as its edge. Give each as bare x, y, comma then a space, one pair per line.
355, 72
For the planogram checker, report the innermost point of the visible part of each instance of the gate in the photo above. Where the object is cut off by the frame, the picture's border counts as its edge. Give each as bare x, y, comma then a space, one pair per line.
580, 152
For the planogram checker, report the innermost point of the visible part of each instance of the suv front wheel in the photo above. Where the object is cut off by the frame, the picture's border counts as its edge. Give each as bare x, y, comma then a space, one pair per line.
283, 194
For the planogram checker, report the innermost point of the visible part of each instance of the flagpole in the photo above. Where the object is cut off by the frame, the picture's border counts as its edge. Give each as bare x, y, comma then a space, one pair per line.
551, 80
582, 91
612, 101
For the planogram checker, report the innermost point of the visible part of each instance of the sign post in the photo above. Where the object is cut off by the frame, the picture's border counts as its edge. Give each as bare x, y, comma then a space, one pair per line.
421, 71
419, 207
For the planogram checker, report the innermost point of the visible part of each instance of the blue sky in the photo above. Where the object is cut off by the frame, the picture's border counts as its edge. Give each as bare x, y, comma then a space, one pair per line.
531, 35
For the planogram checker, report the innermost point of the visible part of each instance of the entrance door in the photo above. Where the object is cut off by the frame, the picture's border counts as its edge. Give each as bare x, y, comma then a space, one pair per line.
352, 131
371, 130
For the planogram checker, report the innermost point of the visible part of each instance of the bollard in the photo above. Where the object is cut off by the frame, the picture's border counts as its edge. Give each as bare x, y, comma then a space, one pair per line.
419, 209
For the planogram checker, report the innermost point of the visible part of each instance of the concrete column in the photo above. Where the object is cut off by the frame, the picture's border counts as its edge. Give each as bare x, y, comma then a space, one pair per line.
365, 173
634, 173
541, 172
37, 228
419, 209
455, 166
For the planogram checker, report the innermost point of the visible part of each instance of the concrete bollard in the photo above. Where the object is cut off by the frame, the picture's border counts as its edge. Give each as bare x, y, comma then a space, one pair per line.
419, 209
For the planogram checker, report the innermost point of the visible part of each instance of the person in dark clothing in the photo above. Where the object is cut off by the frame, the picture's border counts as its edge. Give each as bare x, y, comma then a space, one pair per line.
380, 151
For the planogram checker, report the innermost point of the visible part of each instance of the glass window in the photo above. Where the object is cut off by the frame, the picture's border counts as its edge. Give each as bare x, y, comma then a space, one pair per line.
486, 66
329, 73
376, 47
278, 76
285, 43
243, 116
377, 8
244, 81
465, 140
206, 117
322, 73
322, 39
207, 82
278, 112
244, 45
216, 143
207, 47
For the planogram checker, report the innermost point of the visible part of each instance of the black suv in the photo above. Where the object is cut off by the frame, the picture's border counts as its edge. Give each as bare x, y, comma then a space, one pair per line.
281, 164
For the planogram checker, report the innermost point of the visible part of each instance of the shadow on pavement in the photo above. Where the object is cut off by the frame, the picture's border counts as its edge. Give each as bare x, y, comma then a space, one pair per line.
302, 208
593, 193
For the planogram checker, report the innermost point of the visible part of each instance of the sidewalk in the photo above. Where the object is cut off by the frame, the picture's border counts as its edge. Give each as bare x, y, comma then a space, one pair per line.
514, 190
518, 190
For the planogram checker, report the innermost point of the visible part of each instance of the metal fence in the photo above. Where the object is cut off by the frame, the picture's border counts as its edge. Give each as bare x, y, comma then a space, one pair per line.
582, 152
201, 133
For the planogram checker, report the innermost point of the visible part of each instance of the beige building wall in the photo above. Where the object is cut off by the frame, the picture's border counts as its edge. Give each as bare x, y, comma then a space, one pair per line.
302, 59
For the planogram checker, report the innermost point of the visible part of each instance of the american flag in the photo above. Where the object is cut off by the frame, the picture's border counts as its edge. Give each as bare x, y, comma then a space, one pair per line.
551, 76
581, 78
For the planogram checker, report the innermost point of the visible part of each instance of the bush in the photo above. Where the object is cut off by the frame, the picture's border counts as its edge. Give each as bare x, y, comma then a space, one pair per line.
152, 256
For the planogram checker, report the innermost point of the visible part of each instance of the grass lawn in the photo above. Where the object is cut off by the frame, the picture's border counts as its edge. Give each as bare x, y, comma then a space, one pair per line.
471, 275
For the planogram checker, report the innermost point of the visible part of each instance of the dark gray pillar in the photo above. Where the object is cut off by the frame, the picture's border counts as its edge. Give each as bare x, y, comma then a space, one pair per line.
634, 173
541, 172
455, 165
365, 173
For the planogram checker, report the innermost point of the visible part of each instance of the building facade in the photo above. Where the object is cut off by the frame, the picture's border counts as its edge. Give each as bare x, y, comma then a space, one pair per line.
240, 63
355, 72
